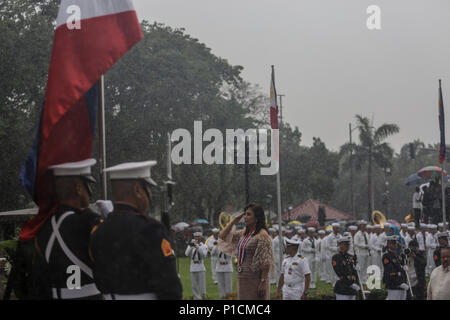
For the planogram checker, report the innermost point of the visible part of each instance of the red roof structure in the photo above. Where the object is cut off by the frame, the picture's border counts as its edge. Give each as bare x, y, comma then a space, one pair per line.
311, 208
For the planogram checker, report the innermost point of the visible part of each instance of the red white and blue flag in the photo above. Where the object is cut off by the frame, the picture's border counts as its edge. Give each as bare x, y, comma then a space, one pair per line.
90, 36
442, 150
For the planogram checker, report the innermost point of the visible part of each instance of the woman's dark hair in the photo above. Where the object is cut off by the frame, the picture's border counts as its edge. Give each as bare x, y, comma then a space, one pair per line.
260, 218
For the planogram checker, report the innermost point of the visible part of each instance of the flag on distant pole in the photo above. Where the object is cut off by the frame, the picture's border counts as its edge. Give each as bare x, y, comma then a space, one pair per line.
90, 37
273, 102
442, 150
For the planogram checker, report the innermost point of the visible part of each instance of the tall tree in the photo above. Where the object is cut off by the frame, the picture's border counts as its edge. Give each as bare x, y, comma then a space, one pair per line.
372, 150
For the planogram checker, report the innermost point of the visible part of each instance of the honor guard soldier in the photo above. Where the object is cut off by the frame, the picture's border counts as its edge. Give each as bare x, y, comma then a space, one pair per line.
443, 242
394, 275
295, 274
211, 244
224, 272
197, 251
133, 259
344, 266
63, 240
310, 250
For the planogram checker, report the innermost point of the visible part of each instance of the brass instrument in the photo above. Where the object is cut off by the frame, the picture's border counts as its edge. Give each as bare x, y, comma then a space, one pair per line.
409, 218
224, 219
378, 218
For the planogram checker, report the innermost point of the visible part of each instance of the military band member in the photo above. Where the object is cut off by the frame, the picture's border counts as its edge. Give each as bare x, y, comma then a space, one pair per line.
133, 259
310, 251
295, 274
394, 275
443, 242
212, 243
63, 240
344, 264
376, 249
276, 251
362, 249
352, 231
197, 251
321, 253
332, 249
224, 272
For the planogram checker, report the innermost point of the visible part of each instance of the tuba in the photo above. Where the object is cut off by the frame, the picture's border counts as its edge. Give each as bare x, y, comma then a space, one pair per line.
224, 219
409, 218
378, 218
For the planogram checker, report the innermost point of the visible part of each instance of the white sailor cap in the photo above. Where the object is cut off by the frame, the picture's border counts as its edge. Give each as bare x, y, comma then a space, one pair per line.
377, 226
292, 242
440, 224
132, 171
344, 239
301, 230
362, 222
432, 226
442, 234
215, 230
353, 228
392, 238
412, 224
404, 225
335, 225
311, 229
198, 234
370, 227
423, 225
321, 232
411, 228
272, 230
328, 230
387, 224
74, 169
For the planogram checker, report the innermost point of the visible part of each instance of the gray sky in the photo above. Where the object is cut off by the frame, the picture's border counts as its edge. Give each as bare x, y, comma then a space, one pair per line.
327, 63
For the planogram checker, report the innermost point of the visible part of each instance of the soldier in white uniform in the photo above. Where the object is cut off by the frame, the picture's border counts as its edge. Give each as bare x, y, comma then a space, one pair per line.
420, 237
410, 235
295, 274
332, 249
373, 237
212, 243
352, 232
322, 246
362, 249
311, 252
403, 229
197, 251
431, 243
276, 252
224, 272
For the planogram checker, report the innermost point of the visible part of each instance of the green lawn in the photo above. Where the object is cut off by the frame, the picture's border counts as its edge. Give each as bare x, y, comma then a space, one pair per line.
212, 290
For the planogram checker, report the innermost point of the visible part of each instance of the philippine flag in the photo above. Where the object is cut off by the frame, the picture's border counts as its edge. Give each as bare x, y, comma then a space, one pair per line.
90, 36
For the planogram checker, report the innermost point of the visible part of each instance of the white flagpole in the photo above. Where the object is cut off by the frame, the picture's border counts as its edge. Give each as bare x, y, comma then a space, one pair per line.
441, 103
101, 140
276, 140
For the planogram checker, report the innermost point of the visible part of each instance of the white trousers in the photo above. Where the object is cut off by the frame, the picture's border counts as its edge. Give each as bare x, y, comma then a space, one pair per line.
313, 269
332, 275
213, 268
225, 280
322, 268
292, 294
198, 282
396, 295
364, 261
344, 297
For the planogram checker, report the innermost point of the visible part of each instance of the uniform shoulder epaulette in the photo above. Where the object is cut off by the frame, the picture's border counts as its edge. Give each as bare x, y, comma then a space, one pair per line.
300, 256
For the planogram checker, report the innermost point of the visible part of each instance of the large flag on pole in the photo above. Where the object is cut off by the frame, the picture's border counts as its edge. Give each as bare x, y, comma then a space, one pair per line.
442, 150
90, 36
273, 102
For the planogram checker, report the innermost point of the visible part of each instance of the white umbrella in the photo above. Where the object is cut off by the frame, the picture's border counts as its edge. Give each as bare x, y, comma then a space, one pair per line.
180, 226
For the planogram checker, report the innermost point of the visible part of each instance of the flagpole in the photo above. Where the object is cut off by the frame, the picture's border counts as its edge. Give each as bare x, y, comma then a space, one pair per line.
277, 141
101, 137
441, 105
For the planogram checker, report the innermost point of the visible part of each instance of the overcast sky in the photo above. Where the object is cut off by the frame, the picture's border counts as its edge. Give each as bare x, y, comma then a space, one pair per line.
327, 62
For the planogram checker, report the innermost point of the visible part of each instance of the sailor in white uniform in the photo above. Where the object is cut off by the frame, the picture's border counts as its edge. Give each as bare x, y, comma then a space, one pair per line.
212, 243
311, 252
224, 272
197, 251
361, 242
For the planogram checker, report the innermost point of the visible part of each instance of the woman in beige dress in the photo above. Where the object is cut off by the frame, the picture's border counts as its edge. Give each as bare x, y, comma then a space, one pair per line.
253, 249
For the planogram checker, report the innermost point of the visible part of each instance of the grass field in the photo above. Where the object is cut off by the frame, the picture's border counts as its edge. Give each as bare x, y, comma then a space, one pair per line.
212, 290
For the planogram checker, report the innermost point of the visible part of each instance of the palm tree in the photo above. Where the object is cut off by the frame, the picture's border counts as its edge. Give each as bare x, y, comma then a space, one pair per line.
372, 148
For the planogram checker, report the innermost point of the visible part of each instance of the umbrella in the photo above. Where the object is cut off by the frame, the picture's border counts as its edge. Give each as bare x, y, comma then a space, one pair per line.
394, 223
201, 221
294, 222
415, 179
430, 172
312, 223
180, 226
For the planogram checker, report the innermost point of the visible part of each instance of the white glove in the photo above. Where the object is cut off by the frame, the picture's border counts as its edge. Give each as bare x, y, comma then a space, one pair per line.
357, 267
404, 286
355, 287
104, 207
405, 267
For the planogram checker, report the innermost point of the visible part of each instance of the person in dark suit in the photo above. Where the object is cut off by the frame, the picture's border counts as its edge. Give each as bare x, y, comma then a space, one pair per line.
132, 255
416, 269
